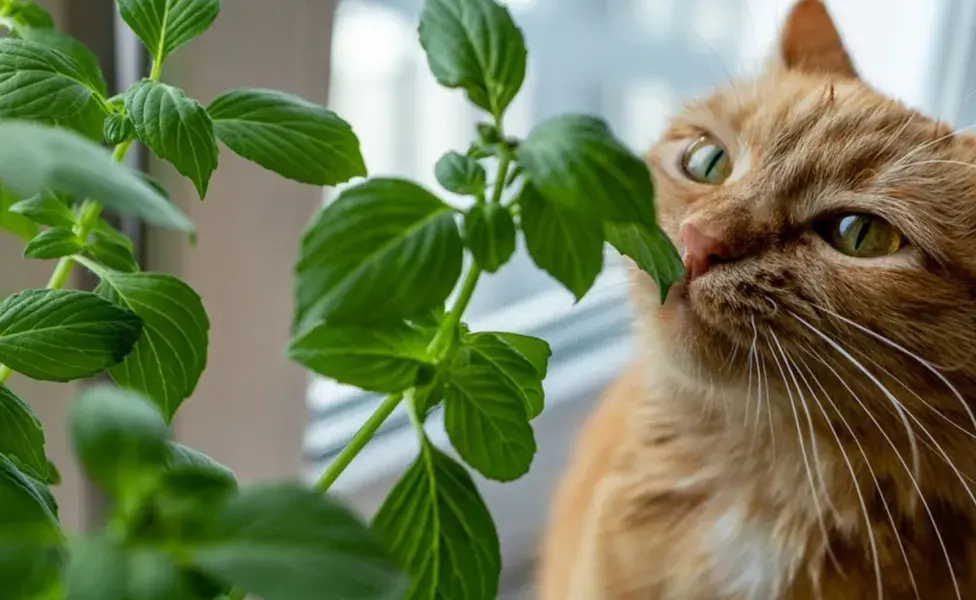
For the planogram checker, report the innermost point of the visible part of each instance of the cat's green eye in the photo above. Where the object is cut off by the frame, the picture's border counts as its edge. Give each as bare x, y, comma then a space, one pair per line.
861, 235
706, 161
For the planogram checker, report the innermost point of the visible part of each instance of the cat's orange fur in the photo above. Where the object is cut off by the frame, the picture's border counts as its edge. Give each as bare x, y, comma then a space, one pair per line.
689, 483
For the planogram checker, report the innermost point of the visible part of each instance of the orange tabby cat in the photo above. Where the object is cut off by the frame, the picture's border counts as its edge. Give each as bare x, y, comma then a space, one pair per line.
799, 425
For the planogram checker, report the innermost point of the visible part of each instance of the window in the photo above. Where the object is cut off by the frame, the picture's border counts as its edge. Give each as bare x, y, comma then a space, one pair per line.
632, 62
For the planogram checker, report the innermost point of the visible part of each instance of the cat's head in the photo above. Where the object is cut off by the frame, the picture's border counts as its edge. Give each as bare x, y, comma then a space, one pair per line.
817, 217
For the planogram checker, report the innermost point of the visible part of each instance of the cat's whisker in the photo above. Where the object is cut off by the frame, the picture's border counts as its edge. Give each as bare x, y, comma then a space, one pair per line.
934, 444
926, 364
769, 405
857, 487
814, 492
750, 356
901, 459
916, 461
813, 436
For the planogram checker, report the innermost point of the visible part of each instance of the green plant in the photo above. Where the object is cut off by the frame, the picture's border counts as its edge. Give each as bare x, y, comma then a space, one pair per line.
375, 271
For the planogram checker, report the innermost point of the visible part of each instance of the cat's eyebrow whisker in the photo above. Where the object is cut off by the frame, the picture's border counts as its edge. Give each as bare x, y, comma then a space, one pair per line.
814, 491
929, 144
857, 487
901, 459
926, 364
935, 161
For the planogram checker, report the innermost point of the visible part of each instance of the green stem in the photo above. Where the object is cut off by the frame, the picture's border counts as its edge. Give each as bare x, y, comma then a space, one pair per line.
503, 164
88, 216
157, 69
359, 441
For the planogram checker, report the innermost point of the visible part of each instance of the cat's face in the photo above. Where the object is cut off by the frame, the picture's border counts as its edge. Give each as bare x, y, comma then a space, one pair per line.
808, 205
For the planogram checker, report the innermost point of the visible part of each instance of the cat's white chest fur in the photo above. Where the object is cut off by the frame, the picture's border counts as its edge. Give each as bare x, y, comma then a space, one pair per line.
745, 561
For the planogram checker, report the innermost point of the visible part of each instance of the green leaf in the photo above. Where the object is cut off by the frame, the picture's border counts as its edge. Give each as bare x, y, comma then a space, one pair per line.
111, 253
285, 134
489, 232
46, 209
384, 250
32, 15
576, 161
30, 540
176, 128
38, 82
36, 158
42, 490
21, 434
165, 25
486, 416
383, 358
89, 122
13, 222
183, 458
53, 243
61, 335
193, 487
152, 575
96, 570
439, 529
84, 58
460, 174
651, 250
520, 359
118, 128
288, 542
167, 362
119, 437
563, 242
474, 45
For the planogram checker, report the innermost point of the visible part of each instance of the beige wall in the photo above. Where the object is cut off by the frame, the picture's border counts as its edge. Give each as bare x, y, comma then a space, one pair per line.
249, 410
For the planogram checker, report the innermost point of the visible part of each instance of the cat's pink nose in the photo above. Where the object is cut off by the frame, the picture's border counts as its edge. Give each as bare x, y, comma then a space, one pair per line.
701, 251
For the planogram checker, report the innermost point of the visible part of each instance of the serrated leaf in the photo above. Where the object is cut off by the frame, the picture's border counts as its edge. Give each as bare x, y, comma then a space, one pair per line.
38, 82
21, 435
651, 250
288, 135
119, 437
489, 232
89, 122
325, 551
521, 359
36, 159
384, 250
118, 128
438, 527
84, 58
176, 128
30, 540
46, 209
111, 249
563, 242
165, 25
11, 221
53, 243
474, 45
167, 362
381, 358
575, 161
61, 335
460, 174
486, 417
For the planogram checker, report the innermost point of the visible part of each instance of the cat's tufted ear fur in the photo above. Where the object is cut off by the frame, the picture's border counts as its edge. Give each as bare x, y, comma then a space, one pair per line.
811, 44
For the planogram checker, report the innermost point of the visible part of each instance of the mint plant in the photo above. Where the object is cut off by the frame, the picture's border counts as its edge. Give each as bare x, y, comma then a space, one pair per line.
384, 275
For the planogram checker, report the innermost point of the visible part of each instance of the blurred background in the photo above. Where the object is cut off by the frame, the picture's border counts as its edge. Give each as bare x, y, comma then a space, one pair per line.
630, 61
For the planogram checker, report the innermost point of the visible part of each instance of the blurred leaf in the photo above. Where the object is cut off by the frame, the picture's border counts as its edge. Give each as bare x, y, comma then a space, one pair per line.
45, 209
489, 232
13, 222
53, 243
460, 174
21, 435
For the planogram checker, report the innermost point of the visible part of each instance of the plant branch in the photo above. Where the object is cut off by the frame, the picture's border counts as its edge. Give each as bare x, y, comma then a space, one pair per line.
358, 442
88, 216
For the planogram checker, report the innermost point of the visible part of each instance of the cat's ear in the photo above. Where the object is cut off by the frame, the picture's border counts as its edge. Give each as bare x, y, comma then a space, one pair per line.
810, 42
